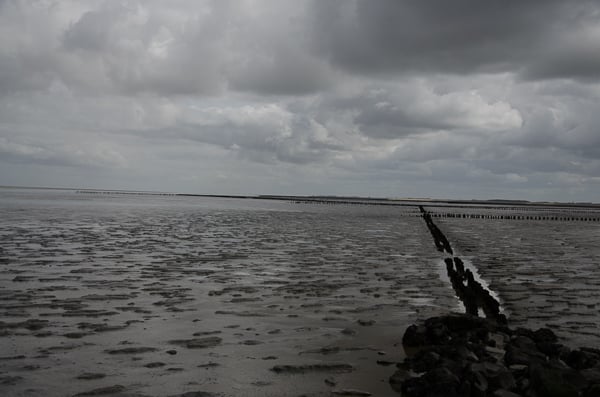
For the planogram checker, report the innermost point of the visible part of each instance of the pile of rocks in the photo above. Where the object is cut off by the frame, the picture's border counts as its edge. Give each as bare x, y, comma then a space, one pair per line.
465, 355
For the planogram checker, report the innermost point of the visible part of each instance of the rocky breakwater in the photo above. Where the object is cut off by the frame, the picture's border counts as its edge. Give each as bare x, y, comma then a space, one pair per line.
470, 356
465, 355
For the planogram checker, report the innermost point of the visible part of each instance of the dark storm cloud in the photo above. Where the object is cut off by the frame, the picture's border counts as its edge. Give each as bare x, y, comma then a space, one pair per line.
283, 73
390, 36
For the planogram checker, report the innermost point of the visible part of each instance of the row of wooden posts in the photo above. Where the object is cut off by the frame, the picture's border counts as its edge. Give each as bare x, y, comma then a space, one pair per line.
576, 216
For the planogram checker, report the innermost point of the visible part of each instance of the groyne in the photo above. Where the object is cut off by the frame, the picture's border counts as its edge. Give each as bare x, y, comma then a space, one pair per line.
473, 295
477, 354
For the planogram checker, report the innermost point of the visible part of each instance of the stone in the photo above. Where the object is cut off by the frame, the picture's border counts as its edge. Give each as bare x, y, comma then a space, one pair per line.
580, 359
522, 355
592, 391
441, 380
503, 379
415, 336
544, 335
504, 393
592, 375
398, 378
424, 361
552, 382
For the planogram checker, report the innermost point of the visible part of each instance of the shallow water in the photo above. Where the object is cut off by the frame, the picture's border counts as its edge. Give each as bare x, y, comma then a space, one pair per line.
258, 284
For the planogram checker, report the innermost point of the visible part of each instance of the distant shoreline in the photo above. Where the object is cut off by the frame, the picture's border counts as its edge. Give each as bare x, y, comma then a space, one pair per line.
492, 203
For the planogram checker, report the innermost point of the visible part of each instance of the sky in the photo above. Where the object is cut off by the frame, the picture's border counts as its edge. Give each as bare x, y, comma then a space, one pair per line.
381, 98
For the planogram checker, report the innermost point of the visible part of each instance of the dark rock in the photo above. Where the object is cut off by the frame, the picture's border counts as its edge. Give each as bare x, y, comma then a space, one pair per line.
553, 382
441, 381
544, 335
477, 379
592, 391
523, 350
581, 359
398, 378
503, 379
424, 361
464, 355
415, 336
550, 349
592, 375
505, 393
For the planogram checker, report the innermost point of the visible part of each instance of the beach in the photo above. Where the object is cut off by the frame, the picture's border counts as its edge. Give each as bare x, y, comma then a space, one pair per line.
165, 295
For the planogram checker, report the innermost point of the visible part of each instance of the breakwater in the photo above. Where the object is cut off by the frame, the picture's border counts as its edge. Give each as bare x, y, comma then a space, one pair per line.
464, 355
473, 295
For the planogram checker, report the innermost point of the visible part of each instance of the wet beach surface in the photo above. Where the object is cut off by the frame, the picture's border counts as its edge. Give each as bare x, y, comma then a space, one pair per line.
158, 296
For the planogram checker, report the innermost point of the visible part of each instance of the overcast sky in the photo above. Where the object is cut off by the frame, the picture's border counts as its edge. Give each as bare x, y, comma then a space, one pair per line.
445, 99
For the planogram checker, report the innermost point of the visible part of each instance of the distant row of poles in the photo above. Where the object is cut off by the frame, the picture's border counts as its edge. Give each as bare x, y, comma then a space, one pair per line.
573, 215
563, 218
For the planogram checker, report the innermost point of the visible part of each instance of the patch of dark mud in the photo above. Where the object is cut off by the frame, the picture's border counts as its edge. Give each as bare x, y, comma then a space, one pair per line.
131, 350
198, 343
304, 368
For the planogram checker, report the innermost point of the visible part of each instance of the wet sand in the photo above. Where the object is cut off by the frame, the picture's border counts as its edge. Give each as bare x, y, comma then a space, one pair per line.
167, 297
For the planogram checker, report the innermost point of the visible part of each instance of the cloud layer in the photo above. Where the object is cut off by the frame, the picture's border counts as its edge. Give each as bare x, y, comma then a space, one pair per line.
377, 98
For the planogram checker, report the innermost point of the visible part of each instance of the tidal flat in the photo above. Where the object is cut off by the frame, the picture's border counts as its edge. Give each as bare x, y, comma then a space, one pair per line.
165, 295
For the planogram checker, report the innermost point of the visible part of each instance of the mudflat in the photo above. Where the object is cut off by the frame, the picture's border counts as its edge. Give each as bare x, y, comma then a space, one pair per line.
167, 296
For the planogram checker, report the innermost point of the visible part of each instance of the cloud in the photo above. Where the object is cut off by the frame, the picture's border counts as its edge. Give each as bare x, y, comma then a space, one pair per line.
96, 155
434, 98
416, 108
537, 38
266, 133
